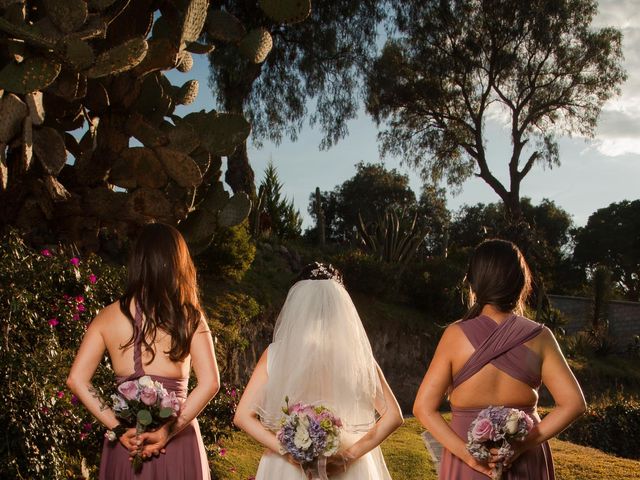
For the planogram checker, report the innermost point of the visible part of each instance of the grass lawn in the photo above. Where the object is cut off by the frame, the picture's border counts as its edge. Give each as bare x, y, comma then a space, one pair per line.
408, 459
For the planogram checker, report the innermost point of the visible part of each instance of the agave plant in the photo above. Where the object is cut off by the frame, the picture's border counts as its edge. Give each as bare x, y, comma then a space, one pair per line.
389, 239
86, 78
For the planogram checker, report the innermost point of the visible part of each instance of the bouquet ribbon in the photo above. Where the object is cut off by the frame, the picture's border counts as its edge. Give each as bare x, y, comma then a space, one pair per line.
318, 469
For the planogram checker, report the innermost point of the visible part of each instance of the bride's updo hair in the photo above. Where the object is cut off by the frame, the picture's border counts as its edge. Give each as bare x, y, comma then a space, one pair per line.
498, 275
320, 271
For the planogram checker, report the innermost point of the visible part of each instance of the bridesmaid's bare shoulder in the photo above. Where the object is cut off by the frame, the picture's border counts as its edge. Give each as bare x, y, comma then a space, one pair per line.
108, 315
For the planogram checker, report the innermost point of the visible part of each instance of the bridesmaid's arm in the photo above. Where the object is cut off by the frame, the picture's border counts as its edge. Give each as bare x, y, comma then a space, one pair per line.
246, 418
390, 420
566, 393
205, 366
434, 386
84, 366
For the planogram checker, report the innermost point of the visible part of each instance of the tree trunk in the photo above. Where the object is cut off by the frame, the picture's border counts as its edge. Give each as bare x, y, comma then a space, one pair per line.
240, 175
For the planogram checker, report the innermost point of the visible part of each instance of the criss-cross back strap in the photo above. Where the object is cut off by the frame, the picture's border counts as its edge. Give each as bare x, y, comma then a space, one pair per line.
504, 338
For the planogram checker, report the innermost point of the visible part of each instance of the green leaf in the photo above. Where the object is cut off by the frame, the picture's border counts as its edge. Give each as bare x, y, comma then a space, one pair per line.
144, 417
166, 412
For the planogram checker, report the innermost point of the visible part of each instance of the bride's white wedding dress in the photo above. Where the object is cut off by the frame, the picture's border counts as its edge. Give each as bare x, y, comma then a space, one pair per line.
321, 354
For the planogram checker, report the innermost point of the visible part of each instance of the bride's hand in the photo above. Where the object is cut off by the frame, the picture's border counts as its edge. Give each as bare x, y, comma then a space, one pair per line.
338, 463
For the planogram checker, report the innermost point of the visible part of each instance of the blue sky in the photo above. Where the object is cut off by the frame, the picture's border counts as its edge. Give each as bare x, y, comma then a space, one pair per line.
593, 172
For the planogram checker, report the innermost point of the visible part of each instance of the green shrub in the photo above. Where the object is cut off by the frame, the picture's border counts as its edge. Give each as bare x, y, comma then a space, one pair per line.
364, 273
46, 300
230, 254
612, 428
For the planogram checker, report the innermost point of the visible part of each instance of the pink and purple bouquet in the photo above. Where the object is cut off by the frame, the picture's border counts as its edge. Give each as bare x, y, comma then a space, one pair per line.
145, 404
497, 427
310, 433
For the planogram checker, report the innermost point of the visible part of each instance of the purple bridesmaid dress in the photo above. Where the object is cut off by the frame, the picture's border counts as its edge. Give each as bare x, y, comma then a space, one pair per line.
185, 458
502, 345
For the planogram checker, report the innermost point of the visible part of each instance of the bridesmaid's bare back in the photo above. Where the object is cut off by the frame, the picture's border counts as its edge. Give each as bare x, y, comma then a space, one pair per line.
116, 330
490, 385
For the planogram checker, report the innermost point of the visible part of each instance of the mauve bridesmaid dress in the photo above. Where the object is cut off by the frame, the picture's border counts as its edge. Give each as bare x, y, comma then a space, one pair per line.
502, 345
185, 458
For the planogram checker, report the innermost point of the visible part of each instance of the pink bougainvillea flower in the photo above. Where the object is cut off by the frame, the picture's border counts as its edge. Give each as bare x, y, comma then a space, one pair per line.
233, 393
83, 436
93, 279
222, 452
60, 394
74, 400
87, 427
75, 317
66, 297
75, 261
45, 252
232, 469
81, 307
53, 322
79, 299
44, 410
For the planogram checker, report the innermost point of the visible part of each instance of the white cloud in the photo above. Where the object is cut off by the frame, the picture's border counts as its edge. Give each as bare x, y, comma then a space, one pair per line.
618, 130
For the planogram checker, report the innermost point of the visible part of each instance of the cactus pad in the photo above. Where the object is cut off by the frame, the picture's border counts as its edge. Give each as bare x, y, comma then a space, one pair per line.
187, 93
235, 211
184, 139
119, 59
55, 189
220, 133
286, 11
138, 167
34, 73
194, 19
223, 26
180, 167
78, 53
100, 4
67, 15
151, 203
27, 142
185, 61
36, 107
256, 45
49, 148
200, 48
12, 113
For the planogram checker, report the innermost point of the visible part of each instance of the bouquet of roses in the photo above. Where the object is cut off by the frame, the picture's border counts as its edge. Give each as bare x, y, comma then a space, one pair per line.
497, 427
310, 433
145, 404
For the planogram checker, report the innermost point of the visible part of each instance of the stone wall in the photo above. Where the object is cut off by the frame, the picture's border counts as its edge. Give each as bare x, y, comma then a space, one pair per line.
624, 317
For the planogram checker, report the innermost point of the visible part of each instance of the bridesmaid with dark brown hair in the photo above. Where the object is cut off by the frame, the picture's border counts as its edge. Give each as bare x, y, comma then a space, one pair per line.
157, 328
495, 356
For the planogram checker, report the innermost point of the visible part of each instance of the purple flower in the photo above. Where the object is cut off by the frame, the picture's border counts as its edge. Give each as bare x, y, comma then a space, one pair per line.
149, 395
74, 400
129, 390
81, 307
75, 317
119, 403
483, 430
75, 261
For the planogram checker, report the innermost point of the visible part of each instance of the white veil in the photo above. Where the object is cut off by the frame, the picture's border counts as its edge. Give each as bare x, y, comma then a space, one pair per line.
321, 355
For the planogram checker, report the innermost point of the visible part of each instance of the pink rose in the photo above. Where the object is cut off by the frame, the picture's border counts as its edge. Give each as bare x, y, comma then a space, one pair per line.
483, 430
149, 395
171, 401
129, 390
529, 421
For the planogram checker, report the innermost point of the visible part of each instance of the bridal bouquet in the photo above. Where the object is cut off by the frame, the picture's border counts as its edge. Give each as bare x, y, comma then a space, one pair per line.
145, 404
310, 433
497, 427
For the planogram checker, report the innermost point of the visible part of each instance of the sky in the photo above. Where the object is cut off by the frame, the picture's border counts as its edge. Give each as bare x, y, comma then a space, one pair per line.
593, 172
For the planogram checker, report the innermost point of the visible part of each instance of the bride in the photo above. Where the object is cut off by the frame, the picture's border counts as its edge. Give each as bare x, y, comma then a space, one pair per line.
321, 355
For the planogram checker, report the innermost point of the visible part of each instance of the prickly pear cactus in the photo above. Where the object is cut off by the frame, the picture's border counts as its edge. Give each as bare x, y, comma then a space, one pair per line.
99, 66
286, 11
256, 45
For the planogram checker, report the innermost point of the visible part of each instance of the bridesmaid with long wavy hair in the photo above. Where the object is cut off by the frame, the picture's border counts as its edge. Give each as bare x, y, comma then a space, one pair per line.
157, 328
495, 356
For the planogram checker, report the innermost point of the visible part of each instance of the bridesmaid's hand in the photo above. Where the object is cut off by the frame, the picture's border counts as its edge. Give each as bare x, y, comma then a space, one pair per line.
484, 468
128, 441
153, 443
518, 449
